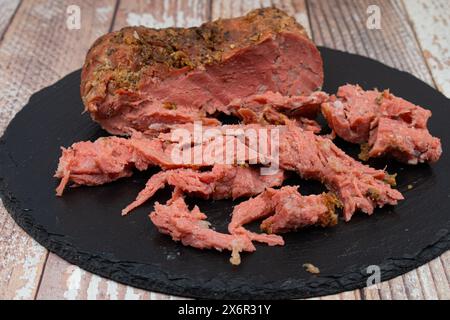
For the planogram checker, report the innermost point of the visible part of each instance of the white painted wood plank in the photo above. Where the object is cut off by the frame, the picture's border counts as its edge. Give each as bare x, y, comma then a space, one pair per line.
7, 9
427, 282
431, 21
440, 279
413, 286
398, 289
22, 260
62, 280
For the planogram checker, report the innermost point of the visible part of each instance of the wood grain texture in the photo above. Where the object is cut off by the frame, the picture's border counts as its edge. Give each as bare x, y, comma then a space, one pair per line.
62, 280
370, 293
413, 286
8, 9
431, 22
440, 280
230, 9
342, 24
162, 14
22, 260
37, 50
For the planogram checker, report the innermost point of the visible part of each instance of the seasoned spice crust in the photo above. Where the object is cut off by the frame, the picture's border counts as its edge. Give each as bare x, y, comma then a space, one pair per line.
137, 48
124, 62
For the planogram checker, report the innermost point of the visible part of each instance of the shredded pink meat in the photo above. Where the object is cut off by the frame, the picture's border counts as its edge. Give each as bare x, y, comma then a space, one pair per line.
358, 186
383, 123
222, 182
191, 228
286, 210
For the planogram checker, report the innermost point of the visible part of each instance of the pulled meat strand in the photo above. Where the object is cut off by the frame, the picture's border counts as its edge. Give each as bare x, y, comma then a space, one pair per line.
357, 186
191, 228
221, 182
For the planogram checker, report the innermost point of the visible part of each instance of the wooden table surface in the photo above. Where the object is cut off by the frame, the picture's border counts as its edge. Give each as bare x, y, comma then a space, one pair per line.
37, 49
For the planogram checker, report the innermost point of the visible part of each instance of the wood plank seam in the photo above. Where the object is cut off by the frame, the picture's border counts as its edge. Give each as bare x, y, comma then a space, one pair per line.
10, 21
41, 276
113, 20
308, 14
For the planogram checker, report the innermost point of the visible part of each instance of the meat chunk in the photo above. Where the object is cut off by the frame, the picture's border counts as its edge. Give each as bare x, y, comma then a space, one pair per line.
404, 143
314, 157
294, 211
357, 186
286, 209
222, 182
139, 77
191, 228
351, 112
383, 124
87, 163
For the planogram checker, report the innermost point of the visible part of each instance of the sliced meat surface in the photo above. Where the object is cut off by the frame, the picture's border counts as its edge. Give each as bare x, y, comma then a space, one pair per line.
222, 182
191, 228
140, 77
285, 210
383, 124
314, 157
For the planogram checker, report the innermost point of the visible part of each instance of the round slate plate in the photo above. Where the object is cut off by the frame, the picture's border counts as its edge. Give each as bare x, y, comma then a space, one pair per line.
85, 226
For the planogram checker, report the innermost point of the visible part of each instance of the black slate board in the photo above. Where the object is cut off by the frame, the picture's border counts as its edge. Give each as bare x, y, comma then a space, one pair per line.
85, 227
